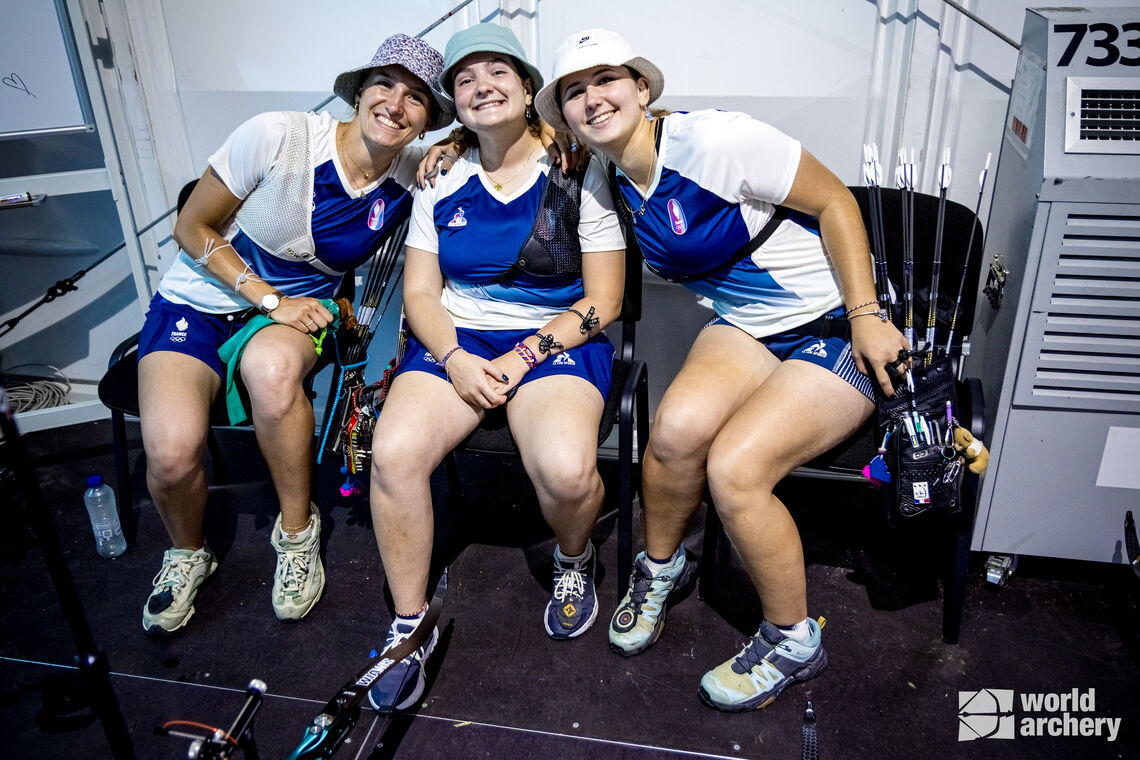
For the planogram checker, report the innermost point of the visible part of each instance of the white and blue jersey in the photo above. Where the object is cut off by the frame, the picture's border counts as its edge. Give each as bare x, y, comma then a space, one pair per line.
348, 225
478, 232
718, 178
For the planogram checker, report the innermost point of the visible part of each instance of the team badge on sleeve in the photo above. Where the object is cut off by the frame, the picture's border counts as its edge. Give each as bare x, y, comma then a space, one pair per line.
376, 215
677, 217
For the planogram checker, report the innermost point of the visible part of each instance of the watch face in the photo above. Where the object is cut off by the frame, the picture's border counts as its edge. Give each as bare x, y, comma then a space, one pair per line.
269, 302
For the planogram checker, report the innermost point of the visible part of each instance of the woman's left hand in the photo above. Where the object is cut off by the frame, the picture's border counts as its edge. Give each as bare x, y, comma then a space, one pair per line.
875, 344
437, 160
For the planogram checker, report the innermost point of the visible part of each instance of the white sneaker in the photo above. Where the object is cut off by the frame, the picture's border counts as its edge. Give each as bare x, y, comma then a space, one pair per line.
171, 603
300, 576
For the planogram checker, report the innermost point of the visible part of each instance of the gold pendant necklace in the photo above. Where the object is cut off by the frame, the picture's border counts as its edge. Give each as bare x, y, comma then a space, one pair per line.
640, 210
340, 147
499, 185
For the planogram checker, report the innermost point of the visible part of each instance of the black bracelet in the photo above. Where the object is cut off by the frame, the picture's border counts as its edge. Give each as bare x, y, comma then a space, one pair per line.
547, 343
589, 321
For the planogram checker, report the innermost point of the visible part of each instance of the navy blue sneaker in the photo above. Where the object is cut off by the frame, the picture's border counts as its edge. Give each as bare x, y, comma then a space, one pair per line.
573, 606
400, 687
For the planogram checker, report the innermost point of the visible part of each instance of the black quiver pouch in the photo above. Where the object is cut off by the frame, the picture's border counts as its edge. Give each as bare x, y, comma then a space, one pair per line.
553, 248
926, 478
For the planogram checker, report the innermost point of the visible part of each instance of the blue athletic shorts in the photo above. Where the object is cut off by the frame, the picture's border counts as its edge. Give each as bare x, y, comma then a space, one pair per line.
592, 361
833, 354
185, 330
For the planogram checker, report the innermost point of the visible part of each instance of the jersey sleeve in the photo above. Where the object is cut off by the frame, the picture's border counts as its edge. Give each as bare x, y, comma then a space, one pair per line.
250, 152
421, 229
598, 228
745, 156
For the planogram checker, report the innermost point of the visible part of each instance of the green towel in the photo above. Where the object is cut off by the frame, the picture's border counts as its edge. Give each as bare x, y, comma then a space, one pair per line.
231, 351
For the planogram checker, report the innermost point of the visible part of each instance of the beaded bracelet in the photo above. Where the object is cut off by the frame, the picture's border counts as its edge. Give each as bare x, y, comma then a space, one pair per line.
442, 363
524, 352
860, 306
880, 313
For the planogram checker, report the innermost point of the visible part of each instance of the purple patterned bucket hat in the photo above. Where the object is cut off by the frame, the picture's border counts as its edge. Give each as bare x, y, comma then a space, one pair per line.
415, 55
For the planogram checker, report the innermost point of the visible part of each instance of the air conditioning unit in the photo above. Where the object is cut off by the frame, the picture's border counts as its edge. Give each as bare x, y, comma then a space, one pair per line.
1056, 337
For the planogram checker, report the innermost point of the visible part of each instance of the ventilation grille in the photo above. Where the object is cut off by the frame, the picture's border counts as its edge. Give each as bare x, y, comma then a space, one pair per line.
1103, 115
1089, 354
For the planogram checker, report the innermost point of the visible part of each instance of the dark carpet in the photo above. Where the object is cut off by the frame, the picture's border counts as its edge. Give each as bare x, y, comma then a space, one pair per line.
500, 688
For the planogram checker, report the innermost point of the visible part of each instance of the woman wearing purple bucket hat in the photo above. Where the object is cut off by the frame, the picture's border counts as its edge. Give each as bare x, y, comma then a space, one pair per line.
289, 204
748, 219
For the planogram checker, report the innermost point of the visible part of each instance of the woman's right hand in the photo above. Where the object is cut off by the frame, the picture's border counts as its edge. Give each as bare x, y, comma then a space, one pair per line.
476, 380
437, 161
305, 314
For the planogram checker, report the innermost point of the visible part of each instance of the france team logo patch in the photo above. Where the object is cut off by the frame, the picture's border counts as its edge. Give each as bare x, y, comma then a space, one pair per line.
677, 217
376, 215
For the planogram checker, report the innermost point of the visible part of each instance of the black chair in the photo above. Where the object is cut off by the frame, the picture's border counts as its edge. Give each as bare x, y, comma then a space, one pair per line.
119, 392
845, 462
627, 404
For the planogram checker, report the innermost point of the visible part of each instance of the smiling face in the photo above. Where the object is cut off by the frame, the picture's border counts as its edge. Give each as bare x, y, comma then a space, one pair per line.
393, 107
489, 92
604, 105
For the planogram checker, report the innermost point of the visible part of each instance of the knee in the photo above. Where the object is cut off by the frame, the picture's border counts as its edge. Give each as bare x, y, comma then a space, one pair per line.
737, 476
568, 479
680, 433
397, 459
273, 382
171, 460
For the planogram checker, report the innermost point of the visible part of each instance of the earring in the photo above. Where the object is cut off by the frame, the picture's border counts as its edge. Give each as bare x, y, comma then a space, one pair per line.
648, 116
422, 133
529, 115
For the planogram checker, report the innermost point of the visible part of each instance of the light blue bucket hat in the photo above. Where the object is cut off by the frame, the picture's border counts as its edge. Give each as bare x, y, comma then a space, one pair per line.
484, 38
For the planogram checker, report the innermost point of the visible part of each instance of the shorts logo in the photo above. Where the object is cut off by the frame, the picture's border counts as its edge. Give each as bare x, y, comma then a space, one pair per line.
376, 215
179, 335
459, 220
677, 216
817, 349
564, 360
429, 358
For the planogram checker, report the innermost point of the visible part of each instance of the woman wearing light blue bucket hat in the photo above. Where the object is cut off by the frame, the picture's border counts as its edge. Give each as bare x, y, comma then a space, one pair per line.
743, 215
499, 319
288, 205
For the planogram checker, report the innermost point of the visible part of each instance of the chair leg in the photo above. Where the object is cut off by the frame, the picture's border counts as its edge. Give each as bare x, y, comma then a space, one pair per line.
128, 517
710, 546
221, 474
954, 585
625, 500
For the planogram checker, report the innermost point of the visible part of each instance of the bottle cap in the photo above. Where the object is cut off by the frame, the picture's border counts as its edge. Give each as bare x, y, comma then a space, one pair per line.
94, 481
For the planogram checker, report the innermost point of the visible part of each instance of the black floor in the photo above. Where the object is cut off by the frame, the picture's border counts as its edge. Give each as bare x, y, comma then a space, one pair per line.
500, 688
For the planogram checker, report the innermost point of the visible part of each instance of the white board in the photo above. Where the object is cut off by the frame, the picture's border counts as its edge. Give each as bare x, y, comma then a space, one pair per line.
39, 82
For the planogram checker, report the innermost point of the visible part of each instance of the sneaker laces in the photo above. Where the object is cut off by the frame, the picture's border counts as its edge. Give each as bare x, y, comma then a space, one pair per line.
571, 582
174, 573
755, 653
639, 588
293, 570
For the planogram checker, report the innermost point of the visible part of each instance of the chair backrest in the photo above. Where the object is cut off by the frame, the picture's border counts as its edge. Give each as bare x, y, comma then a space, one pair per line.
959, 224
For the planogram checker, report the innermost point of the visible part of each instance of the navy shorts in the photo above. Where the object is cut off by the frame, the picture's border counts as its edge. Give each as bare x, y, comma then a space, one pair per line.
185, 330
833, 354
592, 361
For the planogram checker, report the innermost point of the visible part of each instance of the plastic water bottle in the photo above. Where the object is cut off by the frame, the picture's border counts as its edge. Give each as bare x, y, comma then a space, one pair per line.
100, 502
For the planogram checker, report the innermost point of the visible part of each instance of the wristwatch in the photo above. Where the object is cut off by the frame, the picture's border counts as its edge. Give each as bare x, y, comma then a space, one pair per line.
269, 302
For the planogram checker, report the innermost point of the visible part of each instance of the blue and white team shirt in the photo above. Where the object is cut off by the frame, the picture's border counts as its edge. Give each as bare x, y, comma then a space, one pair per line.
348, 225
717, 180
478, 232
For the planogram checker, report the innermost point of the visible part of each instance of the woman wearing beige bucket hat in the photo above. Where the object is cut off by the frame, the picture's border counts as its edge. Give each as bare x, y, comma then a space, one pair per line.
496, 320
288, 204
743, 215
